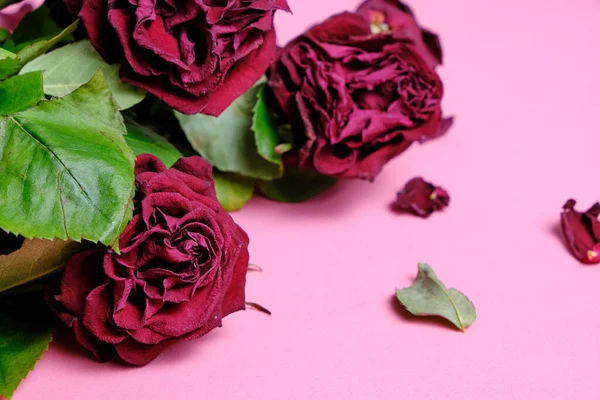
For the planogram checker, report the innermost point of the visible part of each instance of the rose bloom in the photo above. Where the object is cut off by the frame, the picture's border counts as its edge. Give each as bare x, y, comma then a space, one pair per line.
196, 55
356, 94
182, 268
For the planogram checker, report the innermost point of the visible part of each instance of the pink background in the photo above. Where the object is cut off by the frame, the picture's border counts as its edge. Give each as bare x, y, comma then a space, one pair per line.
522, 77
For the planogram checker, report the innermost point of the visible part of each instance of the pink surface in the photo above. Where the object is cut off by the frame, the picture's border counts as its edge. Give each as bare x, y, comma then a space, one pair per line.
522, 78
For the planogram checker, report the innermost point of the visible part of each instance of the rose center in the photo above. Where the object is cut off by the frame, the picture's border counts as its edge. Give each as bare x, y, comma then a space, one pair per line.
378, 24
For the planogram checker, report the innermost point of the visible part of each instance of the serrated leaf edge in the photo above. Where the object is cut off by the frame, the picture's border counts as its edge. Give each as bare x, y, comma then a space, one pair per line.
8, 397
115, 240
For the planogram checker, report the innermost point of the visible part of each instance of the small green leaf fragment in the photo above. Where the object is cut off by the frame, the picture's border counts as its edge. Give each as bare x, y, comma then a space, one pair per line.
296, 185
143, 140
228, 142
4, 35
35, 26
265, 130
283, 148
25, 333
428, 296
38, 48
9, 64
20, 93
233, 191
67, 68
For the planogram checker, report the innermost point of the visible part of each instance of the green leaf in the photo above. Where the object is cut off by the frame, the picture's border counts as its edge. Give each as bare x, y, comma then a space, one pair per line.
428, 296
296, 186
227, 141
24, 337
20, 93
283, 148
67, 172
233, 191
265, 130
36, 25
38, 48
9, 63
143, 140
35, 259
4, 35
71, 66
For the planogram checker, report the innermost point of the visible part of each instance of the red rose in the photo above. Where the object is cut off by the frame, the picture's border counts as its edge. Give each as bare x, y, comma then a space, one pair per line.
421, 198
354, 99
582, 232
182, 268
196, 55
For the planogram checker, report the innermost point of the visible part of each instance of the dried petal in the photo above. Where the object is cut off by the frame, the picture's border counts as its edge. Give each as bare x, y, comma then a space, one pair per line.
421, 198
582, 232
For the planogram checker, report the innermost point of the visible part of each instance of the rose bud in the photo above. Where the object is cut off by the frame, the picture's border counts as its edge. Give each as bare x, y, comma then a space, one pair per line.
421, 198
196, 55
181, 270
582, 232
397, 18
354, 99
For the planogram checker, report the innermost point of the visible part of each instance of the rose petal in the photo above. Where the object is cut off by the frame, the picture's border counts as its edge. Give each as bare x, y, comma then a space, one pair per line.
421, 198
235, 299
97, 306
401, 21
579, 231
140, 354
80, 277
11, 15
94, 17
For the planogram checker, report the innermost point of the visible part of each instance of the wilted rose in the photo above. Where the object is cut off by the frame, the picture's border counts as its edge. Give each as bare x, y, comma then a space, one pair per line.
182, 268
354, 99
196, 55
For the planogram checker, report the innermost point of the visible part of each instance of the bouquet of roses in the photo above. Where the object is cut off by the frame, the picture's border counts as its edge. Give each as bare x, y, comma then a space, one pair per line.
128, 130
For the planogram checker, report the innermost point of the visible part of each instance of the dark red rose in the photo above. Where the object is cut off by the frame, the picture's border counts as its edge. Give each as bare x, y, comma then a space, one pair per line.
196, 55
354, 99
582, 232
182, 268
396, 17
421, 198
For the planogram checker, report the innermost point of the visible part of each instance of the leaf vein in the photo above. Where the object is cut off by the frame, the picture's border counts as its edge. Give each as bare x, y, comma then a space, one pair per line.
55, 156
